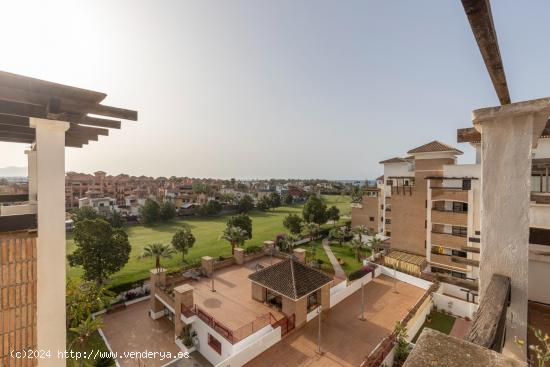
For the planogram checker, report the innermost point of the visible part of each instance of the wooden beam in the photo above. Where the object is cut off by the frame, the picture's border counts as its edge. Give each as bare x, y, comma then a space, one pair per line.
94, 121
115, 112
481, 21
14, 120
474, 250
88, 130
48, 88
22, 109
471, 135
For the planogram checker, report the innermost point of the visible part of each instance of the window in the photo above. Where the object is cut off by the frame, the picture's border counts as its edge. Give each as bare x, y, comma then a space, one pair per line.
459, 253
312, 301
460, 207
456, 274
466, 184
371, 219
388, 221
388, 234
389, 182
460, 231
215, 344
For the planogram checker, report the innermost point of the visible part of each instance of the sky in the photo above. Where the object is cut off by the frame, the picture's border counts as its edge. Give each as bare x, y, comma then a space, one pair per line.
262, 89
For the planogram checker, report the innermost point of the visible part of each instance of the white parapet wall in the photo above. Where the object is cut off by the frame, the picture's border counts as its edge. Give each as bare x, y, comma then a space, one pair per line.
345, 291
454, 306
417, 282
253, 349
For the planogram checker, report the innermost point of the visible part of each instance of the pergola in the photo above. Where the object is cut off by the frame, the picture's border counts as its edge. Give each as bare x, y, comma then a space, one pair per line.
49, 117
22, 98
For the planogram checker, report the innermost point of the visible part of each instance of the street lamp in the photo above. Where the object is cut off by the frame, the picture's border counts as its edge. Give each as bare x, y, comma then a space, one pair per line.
319, 309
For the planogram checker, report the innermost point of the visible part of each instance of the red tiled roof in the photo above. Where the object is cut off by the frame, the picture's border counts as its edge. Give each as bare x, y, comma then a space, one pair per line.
434, 146
393, 160
381, 178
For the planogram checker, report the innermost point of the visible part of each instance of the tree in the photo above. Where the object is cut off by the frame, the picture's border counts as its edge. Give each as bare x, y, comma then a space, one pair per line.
293, 223
312, 229
211, 208
167, 211
336, 234
117, 220
374, 241
264, 203
86, 212
183, 240
228, 198
314, 210
359, 231
101, 250
245, 204
82, 299
274, 200
201, 188
333, 214
358, 248
235, 236
83, 334
150, 212
287, 242
243, 222
157, 250
288, 199
402, 349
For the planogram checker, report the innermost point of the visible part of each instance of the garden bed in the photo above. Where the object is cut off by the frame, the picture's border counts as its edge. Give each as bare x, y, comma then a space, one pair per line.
440, 321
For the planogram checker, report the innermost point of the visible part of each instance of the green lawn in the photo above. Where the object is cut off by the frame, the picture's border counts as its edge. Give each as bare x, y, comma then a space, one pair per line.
440, 322
341, 252
265, 226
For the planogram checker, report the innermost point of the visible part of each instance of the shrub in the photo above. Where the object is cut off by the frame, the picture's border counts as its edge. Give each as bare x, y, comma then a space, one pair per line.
253, 249
359, 273
123, 287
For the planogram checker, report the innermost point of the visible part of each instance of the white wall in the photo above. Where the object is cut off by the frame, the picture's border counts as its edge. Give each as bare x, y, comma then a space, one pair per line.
539, 215
454, 306
253, 349
539, 275
202, 330
417, 282
353, 287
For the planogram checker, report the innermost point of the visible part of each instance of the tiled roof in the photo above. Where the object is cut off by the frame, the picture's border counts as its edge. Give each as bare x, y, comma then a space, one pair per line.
381, 178
434, 146
290, 278
393, 160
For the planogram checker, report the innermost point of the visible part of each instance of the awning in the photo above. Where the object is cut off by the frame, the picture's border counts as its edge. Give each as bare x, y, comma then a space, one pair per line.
406, 262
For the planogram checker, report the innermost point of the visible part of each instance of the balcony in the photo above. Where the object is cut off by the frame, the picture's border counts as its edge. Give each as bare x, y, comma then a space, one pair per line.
402, 190
450, 217
446, 261
16, 213
540, 197
448, 240
449, 193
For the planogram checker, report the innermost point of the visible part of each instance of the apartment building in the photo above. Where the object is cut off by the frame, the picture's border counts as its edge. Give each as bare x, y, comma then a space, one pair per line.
369, 212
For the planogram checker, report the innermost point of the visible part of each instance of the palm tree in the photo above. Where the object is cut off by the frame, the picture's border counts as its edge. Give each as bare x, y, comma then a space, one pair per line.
288, 242
83, 333
235, 236
374, 241
359, 231
358, 247
312, 229
336, 234
157, 250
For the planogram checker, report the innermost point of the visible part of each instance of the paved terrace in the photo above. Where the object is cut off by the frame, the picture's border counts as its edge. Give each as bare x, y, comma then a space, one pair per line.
232, 304
346, 340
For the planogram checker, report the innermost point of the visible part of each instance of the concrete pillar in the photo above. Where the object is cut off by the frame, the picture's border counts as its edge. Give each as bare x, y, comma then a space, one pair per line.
31, 167
239, 255
207, 264
258, 292
300, 254
508, 135
49, 162
325, 297
183, 299
157, 279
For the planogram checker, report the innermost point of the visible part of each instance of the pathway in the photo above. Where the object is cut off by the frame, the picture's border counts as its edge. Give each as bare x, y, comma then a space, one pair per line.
338, 271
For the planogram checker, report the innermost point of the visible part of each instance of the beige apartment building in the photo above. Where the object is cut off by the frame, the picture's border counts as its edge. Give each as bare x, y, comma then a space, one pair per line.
432, 209
369, 212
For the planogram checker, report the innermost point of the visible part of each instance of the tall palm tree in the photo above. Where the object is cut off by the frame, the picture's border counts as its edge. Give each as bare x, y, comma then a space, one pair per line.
359, 231
157, 250
235, 236
312, 229
374, 241
83, 333
288, 242
358, 247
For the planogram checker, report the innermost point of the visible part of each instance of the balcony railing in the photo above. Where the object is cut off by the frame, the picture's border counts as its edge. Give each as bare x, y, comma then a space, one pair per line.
402, 190
445, 260
449, 193
540, 197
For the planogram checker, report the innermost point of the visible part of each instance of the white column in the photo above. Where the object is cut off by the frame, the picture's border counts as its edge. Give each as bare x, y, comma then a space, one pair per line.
31, 169
508, 135
50, 181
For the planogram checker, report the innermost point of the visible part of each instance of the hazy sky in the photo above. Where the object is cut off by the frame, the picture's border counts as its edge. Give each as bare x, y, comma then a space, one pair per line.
285, 88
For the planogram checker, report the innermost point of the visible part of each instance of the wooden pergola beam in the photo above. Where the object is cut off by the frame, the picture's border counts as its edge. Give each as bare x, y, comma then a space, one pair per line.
471, 135
481, 21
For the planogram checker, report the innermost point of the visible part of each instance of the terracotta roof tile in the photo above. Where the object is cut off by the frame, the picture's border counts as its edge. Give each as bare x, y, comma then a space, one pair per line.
434, 146
393, 160
290, 278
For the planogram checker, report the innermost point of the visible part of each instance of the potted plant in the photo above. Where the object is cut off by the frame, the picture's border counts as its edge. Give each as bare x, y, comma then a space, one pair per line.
187, 337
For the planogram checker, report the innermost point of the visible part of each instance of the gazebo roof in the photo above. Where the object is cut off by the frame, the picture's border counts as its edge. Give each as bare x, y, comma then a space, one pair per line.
291, 278
23, 97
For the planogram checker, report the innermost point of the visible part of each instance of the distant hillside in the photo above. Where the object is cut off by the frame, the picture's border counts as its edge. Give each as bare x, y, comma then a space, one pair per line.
13, 171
